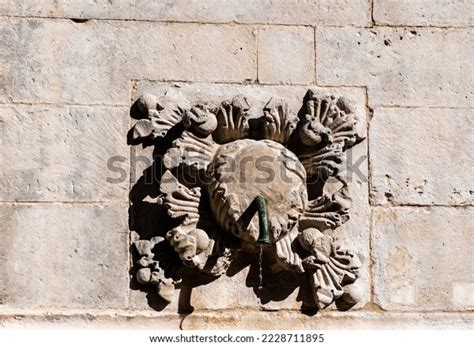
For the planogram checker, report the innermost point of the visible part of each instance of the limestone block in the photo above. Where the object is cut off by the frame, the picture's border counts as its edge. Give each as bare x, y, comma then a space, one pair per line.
286, 55
63, 255
69, 153
424, 12
59, 61
422, 156
402, 67
287, 320
423, 258
93, 63
312, 12
191, 52
243, 320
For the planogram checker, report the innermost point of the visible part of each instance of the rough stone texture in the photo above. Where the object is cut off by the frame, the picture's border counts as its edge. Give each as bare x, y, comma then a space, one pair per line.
402, 67
424, 12
63, 255
243, 320
92, 63
280, 47
62, 153
345, 320
305, 12
423, 258
422, 156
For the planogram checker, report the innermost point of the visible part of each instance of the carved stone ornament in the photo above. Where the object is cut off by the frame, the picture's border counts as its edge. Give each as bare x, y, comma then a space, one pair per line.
236, 185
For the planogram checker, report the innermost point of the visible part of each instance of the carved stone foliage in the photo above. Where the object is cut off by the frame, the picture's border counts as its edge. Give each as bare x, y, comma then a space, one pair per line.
237, 185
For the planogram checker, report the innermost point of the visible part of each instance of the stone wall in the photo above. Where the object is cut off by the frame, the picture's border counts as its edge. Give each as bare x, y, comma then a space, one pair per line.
70, 70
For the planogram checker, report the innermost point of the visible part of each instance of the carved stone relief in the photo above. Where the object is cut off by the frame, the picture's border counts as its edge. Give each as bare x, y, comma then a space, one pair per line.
235, 185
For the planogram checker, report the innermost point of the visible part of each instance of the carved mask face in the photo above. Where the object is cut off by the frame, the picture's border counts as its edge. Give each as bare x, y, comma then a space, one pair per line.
245, 169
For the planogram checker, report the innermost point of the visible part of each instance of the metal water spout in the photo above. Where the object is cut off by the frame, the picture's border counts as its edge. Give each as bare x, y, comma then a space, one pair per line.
257, 206
264, 232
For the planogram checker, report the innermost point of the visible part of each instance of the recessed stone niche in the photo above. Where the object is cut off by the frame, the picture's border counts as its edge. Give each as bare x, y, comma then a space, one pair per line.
252, 196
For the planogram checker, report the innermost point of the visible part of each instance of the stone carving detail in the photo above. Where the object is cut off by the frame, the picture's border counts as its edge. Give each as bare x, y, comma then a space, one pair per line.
232, 186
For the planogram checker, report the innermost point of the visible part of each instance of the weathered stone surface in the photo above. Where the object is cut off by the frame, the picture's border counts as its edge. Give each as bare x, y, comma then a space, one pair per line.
331, 320
423, 258
424, 12
312, 12
422, 156
286, 55
405, 67
62, 61
63, 255
73, 153
243, 320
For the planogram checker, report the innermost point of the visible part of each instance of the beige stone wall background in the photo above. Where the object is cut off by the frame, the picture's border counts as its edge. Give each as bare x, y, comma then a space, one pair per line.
69, 71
